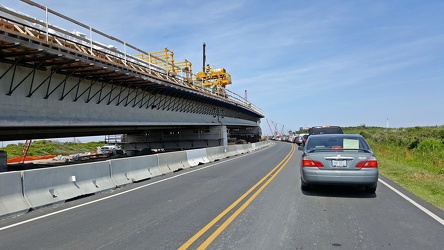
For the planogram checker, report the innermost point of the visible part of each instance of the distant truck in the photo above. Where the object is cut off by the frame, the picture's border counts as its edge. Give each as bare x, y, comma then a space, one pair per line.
109, 150
317, 130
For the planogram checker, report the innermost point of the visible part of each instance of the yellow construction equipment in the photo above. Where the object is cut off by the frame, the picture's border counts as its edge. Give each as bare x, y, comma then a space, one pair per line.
185, 67
218, 77
165, 60
214, 80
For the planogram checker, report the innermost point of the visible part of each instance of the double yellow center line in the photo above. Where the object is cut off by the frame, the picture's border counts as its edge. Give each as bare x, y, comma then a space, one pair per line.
261, 184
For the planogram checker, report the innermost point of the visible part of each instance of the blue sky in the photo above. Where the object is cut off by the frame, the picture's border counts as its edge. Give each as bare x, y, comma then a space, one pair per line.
304, 63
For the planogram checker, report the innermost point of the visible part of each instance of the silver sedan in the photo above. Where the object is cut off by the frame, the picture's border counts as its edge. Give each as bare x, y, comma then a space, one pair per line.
338, 159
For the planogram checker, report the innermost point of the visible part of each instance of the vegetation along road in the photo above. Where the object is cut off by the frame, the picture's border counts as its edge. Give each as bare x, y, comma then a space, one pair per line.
411, 157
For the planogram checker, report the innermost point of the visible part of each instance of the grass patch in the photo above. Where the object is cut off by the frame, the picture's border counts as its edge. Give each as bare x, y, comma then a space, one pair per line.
411, 157
423, 183
48, 147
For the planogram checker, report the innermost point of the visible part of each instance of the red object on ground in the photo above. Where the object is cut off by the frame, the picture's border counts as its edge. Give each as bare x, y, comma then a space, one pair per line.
30, 158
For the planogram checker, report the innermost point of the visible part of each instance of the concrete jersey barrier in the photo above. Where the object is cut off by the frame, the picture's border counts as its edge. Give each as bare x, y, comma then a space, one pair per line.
55, 185
42, 187
129, 170
197, 156
216, 153
232, 150
12, 201
173, 161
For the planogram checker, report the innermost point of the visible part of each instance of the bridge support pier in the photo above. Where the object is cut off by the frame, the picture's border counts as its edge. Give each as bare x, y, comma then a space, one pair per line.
173, 139
224, 135
3, 160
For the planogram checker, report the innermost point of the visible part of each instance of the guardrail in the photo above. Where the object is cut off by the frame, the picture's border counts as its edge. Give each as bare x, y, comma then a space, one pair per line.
30, 189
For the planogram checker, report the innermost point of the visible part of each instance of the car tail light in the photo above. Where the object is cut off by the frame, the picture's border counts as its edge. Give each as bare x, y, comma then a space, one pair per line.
307, 162
370, 163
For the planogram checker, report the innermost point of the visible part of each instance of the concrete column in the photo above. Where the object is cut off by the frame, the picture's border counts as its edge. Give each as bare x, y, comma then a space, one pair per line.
223, 134
3, 158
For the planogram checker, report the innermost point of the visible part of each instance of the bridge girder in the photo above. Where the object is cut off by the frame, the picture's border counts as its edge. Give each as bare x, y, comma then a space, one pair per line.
53, 91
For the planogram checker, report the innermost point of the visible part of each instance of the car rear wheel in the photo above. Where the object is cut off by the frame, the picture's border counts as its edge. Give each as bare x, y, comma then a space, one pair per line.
304, 185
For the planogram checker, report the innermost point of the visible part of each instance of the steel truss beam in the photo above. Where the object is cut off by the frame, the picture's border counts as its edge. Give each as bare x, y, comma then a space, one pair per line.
32, 91
32, 72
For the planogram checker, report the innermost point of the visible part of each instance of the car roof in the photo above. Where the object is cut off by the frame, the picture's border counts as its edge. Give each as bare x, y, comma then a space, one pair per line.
325, 126
325, 130
337, 136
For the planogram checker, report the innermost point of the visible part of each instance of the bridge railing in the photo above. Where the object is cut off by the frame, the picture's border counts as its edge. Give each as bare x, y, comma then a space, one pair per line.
79, 42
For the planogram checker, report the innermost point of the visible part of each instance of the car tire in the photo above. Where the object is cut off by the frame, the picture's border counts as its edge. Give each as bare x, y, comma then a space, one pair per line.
304, 185
370, 189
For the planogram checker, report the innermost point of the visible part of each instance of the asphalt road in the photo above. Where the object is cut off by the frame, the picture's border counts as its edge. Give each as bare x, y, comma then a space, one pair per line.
252, 201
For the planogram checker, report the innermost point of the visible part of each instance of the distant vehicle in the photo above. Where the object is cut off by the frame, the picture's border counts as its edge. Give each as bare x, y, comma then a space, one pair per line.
109, 150
338, 159
304, 139
299, 140
292, 139
325, 130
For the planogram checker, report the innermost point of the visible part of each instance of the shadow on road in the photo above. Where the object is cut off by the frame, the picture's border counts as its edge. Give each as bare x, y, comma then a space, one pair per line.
338, 191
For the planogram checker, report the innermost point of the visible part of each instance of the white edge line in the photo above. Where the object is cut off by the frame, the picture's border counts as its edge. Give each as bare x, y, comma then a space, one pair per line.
114, 195
425, 210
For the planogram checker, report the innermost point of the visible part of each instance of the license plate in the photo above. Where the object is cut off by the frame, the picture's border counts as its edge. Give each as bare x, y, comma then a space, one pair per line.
339, 163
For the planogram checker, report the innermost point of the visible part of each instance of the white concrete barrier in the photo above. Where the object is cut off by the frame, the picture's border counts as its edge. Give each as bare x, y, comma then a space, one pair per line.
197, 156
223, 153
241, 148
249, 148
244, 148
217, 153
212, 154
264, 144
129, 170
55, 185
173, 161
12, 201
231, 150
153, 165
261, 145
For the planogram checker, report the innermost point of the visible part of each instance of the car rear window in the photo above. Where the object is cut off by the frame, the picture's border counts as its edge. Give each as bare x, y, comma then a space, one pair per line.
327, 143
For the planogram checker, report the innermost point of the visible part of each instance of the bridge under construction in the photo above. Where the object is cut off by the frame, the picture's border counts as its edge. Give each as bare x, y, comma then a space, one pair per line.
58, 83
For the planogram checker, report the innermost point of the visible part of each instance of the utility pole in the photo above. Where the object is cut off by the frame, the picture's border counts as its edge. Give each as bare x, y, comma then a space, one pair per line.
204, 57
